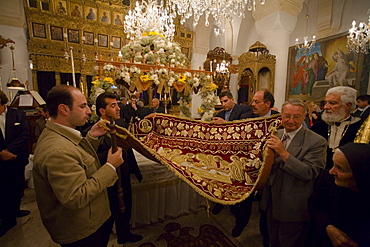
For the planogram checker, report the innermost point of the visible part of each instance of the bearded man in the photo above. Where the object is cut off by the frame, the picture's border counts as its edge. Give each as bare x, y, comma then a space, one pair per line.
338, 127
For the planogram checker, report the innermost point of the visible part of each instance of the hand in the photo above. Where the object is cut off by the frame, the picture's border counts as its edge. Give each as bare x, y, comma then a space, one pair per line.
218, 120
98, 129
277, 145
115, 159
6, 155
339, 238
134, 106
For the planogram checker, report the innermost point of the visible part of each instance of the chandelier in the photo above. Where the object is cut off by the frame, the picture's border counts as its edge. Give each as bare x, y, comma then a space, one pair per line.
149, 17
214, 8
306, 45
359, 37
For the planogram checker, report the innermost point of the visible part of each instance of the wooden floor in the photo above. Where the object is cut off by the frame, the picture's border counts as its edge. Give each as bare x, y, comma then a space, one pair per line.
29, 232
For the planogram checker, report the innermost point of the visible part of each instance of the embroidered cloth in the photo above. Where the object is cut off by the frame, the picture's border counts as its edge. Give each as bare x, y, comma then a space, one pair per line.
223, 162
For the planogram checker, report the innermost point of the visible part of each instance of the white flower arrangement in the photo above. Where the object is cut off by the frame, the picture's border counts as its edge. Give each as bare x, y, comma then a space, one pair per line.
209, 100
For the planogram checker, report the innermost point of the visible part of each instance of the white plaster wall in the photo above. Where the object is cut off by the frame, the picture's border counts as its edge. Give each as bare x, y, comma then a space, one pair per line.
13, 26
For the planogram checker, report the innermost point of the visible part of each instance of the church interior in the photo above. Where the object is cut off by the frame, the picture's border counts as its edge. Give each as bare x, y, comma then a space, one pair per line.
45, 43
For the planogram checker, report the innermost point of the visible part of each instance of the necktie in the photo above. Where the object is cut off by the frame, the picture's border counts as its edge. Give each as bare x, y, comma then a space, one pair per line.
227, 115
284, 139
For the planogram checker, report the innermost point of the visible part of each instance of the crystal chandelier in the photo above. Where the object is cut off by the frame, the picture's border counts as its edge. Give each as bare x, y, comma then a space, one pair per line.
359, 37
214, 8
306, 45
148, 17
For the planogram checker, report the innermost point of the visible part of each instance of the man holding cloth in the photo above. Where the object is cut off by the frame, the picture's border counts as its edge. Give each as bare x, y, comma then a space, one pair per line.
70, 183
300, 157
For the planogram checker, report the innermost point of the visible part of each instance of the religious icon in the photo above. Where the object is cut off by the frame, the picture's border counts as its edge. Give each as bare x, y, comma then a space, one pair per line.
90, 13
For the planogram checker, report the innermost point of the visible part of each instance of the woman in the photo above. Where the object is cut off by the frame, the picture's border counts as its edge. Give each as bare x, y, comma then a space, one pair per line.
340, 204
312, 115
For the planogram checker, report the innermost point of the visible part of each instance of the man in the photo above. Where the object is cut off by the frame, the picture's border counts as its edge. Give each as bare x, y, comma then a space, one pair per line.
340, 203
231, 112
106, 107
300, 158
156, 108
338, 126
14, 137
363, 106
70, 182
262, 103
40, 123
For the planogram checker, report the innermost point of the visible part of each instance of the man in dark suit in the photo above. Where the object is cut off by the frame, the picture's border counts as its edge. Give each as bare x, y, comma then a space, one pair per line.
300, 156
231, 111
156, 108
14, 152
338, 126
107, 106
262, 103
363, 104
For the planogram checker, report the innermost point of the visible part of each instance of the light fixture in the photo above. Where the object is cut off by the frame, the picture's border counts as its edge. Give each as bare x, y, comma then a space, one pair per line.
210, 8
306, 45
359, 37
148, 17
222, 73
14, 82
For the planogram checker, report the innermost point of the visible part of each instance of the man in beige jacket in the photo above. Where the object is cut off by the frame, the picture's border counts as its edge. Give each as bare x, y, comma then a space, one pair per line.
70, 183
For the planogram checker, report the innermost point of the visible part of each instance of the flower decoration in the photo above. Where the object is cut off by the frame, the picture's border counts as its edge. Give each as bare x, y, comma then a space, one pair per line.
182, 78
100, 85
144, 78
209, 100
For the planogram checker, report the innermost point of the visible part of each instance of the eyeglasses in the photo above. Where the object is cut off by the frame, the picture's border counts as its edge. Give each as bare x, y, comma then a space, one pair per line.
288, 117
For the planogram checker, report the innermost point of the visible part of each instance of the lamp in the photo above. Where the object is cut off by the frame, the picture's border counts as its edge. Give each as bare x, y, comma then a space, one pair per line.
149, 16
306, 45
14, 82
359, 37
214, 8
222, 73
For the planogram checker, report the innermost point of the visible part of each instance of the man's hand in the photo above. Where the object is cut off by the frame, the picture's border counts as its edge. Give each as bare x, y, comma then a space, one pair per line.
339, 238
134, 106
277, 145
218, 120
6, 155
115, 159
98, 129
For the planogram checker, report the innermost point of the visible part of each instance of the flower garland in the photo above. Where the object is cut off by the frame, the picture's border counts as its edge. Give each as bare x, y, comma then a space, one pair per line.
100, 85
209, 100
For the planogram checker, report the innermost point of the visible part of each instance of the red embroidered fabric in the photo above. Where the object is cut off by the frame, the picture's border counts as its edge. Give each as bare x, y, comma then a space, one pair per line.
223, 162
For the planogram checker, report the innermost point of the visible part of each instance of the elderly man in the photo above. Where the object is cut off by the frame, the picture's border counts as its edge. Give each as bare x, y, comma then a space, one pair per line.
300, 158
341, 200
14, 135
231, 111
338, 127
156, 108
106, 107
70, 183
262, 103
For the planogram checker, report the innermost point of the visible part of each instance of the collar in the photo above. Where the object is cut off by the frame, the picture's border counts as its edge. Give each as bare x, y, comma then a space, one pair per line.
5, 111
268, 114
293, 133
72, 134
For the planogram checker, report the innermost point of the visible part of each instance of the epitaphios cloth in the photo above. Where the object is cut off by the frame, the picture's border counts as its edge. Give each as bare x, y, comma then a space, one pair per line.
223, 162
